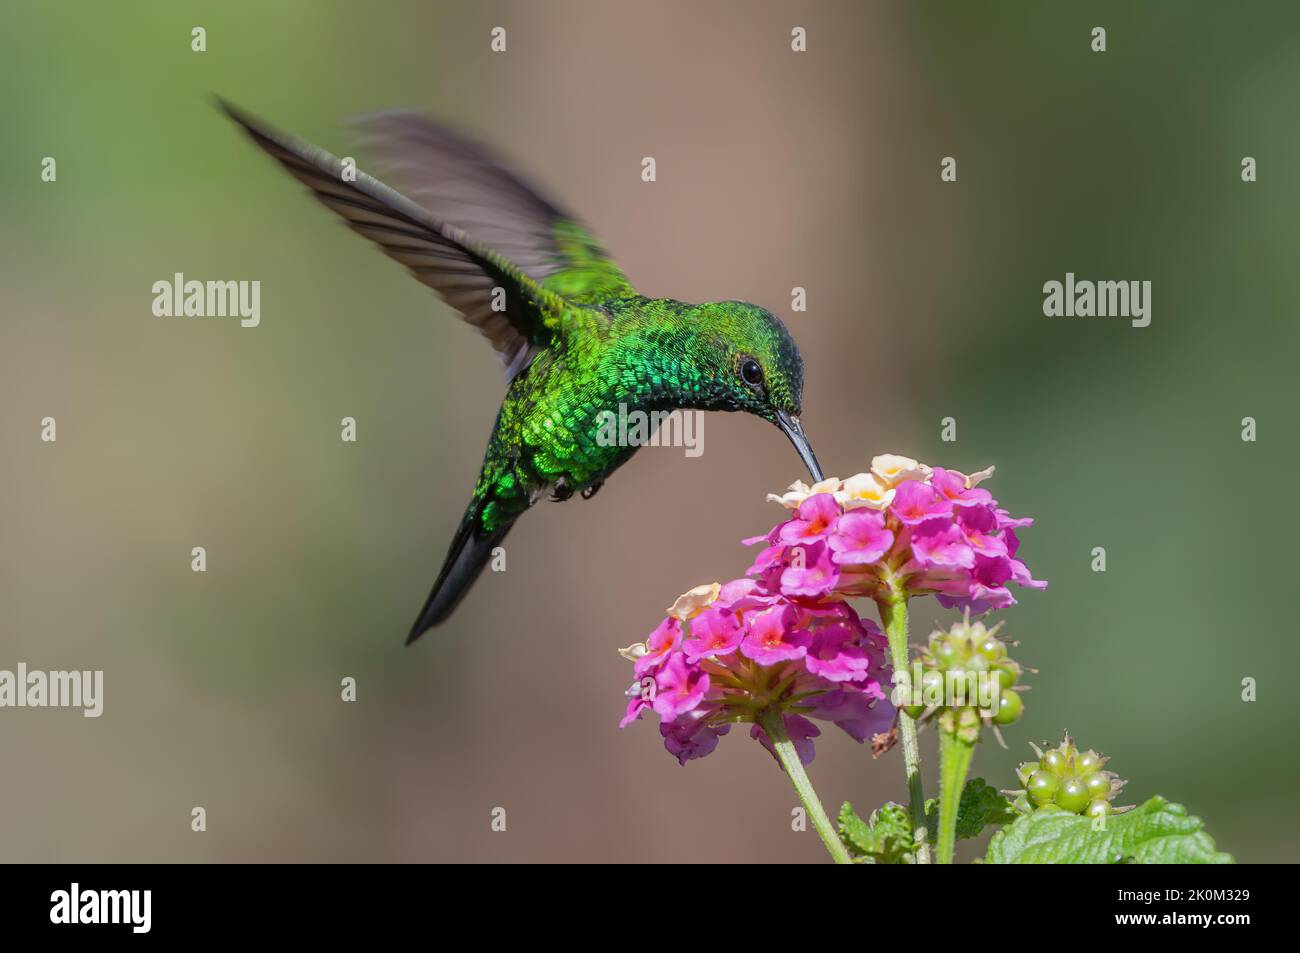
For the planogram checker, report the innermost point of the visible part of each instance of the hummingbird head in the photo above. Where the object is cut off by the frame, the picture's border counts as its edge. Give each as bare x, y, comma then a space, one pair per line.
756, 368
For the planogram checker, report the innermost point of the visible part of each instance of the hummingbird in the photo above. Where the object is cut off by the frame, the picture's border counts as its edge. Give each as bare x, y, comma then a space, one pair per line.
575, 338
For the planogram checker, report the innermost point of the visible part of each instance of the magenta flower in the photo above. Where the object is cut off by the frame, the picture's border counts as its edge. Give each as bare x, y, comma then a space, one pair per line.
714, 632
838, 654
940, 544
679, 687
786, 641
691, 736
955, 488
904, 529
980, 525
773, 638
813, 521
915, 502
661, 642
807, 570
860, 538
749, 652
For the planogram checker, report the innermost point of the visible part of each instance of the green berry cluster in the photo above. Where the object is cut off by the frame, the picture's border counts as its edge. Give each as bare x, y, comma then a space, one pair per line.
950, 658
1069, 779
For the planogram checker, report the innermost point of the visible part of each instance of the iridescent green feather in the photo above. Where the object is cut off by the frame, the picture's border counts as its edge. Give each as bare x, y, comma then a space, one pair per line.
653, 354
587, 274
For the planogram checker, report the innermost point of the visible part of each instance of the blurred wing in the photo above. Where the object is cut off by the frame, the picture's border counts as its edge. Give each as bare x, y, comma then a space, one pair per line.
462, 182
463, 271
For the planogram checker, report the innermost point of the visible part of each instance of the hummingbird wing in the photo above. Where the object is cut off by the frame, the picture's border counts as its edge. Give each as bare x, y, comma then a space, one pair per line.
465, 273
465, 183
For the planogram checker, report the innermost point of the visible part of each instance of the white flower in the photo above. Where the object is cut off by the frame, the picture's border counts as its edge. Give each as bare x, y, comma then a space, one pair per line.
633, 651
892, 469
691, 603
792, 497
864, 489
800, 491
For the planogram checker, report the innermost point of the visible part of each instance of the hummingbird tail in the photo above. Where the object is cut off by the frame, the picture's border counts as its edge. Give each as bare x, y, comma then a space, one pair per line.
469, 552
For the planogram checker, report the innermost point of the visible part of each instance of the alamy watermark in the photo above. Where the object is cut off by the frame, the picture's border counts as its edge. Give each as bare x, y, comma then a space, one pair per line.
25, 688
208, 299
655, 428
133, 908
1103, 299
948, 689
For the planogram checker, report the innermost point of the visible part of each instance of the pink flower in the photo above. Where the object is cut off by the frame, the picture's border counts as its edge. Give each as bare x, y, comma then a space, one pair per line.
691, 737
661, 642
941, 544
860, 537
808, 571
679, 688
1006, 522
837, 655
698, 692
915, 502
980, 525
814, 520
953, 486
948, 482
927, 536
1020, 576
772, 637
713, 632
635, 706
770, 558
737, 591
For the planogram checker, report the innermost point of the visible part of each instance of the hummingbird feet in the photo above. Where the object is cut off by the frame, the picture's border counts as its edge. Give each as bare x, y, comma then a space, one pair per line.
561, 490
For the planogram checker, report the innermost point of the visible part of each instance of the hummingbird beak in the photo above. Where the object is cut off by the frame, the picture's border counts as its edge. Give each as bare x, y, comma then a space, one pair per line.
794, 430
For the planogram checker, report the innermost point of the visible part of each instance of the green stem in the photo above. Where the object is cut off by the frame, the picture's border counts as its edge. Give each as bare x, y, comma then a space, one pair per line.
954, 762
893, 613
773, 723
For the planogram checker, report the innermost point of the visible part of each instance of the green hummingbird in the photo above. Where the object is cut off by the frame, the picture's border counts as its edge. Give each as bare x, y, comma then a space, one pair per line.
576, 339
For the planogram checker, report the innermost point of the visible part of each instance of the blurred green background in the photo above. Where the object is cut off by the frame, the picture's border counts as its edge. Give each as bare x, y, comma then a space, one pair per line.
775, 170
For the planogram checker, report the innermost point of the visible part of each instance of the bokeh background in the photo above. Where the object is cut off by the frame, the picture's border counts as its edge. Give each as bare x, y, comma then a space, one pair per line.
776, 169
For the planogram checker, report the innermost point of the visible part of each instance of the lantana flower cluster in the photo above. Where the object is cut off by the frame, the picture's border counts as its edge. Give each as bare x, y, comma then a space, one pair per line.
728, 654
787, 641
903, 527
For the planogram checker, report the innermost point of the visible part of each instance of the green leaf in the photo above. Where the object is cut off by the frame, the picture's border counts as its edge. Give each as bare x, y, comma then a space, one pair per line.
884, 839
981, 806
1158, 832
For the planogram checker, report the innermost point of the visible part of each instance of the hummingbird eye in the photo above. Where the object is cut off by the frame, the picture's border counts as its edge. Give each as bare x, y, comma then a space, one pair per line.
751, 372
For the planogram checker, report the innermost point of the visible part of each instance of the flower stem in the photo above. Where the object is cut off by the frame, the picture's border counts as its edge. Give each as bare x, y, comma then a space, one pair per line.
773, 723
893, 613
954, 762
